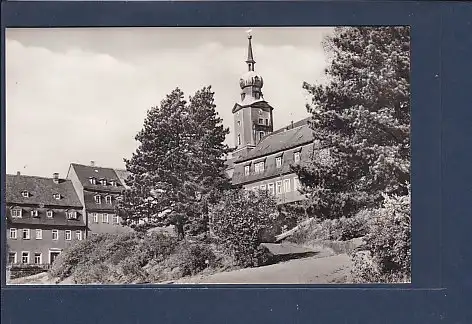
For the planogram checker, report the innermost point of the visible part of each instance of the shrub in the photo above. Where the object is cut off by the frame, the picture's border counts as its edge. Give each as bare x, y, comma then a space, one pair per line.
386, 255
240, 221
112, 258
192, 258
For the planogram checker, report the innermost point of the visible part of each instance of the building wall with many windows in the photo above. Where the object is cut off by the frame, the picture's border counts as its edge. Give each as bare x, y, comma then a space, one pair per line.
43, 215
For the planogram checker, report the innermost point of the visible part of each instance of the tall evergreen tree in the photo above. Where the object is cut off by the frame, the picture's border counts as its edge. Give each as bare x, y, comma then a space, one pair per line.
178, 168
362, 115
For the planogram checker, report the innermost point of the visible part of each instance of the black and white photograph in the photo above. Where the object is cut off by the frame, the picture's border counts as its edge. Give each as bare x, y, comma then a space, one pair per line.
199, 155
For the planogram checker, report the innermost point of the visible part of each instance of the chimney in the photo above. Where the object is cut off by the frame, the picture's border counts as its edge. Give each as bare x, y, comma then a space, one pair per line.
55, 177
292, 123
18, 173
92, 163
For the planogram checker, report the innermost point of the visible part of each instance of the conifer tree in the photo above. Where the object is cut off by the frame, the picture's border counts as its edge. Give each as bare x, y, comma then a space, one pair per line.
178, 168
362, 115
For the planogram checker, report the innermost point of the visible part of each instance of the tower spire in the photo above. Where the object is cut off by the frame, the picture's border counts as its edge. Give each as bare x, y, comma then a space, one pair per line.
250, 57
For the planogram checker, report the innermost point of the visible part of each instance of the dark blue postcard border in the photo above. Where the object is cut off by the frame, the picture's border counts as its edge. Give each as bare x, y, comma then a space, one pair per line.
441, 175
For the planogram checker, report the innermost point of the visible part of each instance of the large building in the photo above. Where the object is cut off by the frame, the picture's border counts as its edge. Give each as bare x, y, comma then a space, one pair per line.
43, 215
263, 157
98, 189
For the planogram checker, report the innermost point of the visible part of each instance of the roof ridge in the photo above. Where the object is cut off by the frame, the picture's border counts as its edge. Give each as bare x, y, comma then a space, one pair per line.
34, 176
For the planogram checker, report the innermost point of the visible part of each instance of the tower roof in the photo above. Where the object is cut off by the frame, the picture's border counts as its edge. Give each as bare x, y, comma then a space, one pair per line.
250, 56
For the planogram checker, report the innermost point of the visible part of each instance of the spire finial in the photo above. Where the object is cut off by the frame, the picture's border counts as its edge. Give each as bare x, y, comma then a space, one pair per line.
250, 57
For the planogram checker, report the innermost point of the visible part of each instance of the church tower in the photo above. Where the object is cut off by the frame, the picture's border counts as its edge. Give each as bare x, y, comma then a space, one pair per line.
252, 114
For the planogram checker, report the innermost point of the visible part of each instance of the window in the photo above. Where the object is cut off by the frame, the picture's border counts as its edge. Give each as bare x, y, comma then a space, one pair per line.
278, 161
296, 184
95, 218
271, 188
25, 193
25, 234
263, 187
37, 258
16, 213
296, 157
12, 257
34, 213
39, 234
261, 121
259, 167
49, 213
108, 199
113, 183
25, 257
247, 169
92, 180
278, 185
13, 233
239, 123
287, 185
72, 215
68, 235
115, 219
57, 196
267, 122
103, 182
261, 135
78, 235
239, 139
104, 218
98, 199
55, 235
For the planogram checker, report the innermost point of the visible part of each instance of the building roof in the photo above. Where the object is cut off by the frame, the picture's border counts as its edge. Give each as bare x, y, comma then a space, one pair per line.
282, 139
41, 191
85, 172
122, 175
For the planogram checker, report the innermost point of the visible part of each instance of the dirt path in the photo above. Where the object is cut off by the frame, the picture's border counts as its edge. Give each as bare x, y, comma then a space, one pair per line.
312, 270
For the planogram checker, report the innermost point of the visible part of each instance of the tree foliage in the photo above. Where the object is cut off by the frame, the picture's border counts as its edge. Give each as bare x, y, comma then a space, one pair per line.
362, 116
240, 220
178, 167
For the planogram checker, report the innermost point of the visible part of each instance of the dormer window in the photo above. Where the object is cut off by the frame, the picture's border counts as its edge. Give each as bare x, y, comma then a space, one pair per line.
34, 213
259, 167
103, 182
49, 214
296, 157
247, 170
113, 183
16, 213
57, 196
25, 193
278, 161
92, 180
72, 215
108, 199
98, 199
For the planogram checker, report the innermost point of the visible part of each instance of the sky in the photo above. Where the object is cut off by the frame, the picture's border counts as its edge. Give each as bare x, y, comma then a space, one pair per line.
81, 94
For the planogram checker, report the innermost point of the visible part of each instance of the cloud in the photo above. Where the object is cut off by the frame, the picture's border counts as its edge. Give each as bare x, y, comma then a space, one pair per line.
76, 104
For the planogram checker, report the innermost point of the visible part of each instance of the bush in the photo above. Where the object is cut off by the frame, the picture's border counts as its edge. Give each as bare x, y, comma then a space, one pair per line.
341, 229
240, 221
112, 258
386, 255
191, 258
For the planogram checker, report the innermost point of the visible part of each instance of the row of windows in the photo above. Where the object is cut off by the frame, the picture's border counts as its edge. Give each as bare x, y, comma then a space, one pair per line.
25, 258
259, 167
104, 218
26, 234
18, 213
27, 194
279, 187
98, 199
103, 182
261, 135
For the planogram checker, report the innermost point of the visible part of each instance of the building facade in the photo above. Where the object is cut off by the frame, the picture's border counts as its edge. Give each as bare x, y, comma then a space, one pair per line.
263, 157
98, 189
44, 216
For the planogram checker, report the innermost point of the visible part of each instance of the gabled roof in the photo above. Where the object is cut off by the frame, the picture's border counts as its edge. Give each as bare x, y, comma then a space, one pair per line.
122, 175
282, 139
41, 191
85, 172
